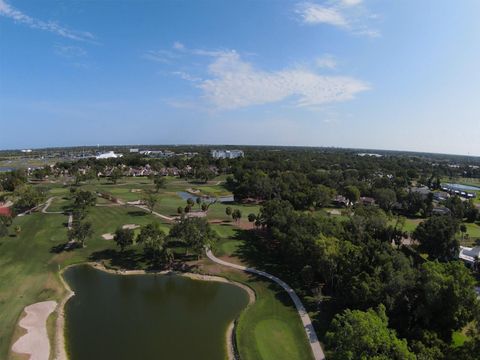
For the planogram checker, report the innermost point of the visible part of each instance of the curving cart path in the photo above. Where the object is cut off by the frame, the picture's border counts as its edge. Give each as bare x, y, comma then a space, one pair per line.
317, 350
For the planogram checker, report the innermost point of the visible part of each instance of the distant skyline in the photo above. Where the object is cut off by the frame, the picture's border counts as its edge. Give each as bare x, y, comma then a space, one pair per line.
371, 74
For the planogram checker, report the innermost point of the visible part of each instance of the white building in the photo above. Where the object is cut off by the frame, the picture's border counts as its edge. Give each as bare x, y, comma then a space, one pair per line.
227, 154
469, 255
108, 155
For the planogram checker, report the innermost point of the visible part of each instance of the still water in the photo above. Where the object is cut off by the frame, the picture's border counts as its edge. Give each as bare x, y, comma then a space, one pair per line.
148, 316
223, 199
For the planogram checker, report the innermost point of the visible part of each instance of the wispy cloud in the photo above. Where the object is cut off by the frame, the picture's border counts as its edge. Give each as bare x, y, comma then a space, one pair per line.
327, 61
234, 83
10, 12
162, 56
349, 15
69, 51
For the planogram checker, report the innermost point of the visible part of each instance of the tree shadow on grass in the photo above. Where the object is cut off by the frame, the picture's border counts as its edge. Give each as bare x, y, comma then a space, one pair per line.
137, 213
57, 249
128, 259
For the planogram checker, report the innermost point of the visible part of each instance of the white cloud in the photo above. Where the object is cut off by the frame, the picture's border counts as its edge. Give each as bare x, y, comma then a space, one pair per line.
235, 83
351, 2
350, 15
326, 61
178, 46
8, 11
316, 14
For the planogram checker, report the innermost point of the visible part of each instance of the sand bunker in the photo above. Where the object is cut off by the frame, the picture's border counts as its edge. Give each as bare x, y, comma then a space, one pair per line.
110, 236
136, 190
35, 342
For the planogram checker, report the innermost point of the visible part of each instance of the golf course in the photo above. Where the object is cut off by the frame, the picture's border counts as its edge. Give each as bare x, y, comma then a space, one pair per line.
33, 257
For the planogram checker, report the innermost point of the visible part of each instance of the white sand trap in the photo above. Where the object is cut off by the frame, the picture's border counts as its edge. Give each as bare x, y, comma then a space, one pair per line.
110, 236
35, 342
196, 214
136, 190
107, 236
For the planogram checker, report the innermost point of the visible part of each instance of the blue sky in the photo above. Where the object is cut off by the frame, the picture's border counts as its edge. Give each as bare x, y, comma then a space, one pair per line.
383, 74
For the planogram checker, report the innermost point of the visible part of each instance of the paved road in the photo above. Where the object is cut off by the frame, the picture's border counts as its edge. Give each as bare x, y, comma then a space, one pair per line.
317, 350
168, 218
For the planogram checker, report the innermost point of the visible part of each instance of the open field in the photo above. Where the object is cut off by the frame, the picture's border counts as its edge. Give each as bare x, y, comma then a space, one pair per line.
31, 260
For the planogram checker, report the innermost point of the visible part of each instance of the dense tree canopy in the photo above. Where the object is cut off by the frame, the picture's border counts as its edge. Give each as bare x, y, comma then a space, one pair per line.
437, 237
359, 335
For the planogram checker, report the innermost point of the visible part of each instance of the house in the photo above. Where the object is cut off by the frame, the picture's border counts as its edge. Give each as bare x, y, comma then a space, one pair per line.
365, 200
340, 200
442, 210
440, 196
227, 154
5, 211
469, 255
423, 191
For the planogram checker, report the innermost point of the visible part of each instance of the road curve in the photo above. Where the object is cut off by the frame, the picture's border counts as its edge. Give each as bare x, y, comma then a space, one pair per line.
317, 350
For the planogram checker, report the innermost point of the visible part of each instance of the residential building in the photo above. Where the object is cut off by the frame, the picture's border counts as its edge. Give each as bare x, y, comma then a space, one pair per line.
227, 154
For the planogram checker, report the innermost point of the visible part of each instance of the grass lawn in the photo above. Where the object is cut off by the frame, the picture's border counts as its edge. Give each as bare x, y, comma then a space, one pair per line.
473, 231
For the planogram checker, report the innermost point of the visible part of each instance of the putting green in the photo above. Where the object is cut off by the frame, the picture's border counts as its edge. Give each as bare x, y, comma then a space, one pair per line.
275, 341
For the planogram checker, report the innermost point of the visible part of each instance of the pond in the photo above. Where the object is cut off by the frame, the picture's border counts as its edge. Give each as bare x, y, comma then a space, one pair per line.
148, 316
223, 199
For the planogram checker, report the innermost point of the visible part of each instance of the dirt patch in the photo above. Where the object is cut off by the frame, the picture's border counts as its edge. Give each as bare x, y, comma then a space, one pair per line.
244, 225
334, 212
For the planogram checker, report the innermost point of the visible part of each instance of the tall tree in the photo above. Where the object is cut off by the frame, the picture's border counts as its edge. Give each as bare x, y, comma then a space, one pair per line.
446, 300
352, 193
116, 175
362, 335
80, 232
437, 237
160, 182
195, 232
150, 200
123, 238
153, 239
